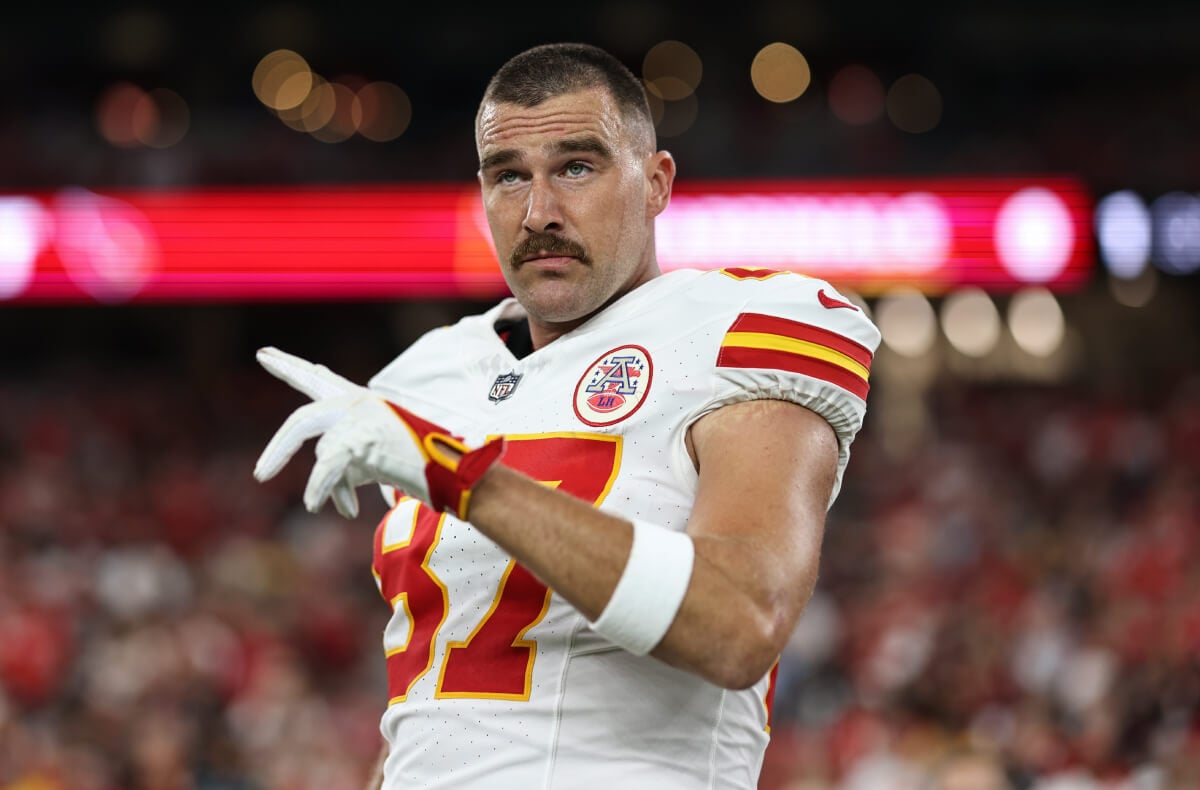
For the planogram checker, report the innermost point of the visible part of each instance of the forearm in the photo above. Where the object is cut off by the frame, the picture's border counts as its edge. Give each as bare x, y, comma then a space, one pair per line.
581, 553
575, 549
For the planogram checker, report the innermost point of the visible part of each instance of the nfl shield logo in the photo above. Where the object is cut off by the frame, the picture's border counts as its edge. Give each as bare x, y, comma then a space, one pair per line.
504, 386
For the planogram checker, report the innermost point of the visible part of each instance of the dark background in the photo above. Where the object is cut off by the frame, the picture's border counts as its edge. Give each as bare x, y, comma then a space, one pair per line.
1107, 90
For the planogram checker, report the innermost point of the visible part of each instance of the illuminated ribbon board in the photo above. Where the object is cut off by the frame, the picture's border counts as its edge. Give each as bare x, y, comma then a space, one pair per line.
427, 240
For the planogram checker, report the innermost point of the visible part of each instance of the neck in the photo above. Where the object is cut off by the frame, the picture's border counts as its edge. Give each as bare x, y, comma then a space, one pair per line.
542, 333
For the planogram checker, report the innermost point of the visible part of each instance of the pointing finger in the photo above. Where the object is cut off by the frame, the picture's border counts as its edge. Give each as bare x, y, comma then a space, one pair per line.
315, 381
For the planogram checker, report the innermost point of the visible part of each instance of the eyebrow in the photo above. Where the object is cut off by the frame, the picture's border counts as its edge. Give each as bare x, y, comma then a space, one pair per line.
499, 158
584, 144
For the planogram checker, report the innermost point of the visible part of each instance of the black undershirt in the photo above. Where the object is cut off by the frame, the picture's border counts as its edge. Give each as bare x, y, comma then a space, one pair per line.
515, 334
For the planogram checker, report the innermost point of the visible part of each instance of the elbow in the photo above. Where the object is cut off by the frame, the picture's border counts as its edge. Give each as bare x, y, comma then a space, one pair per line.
747, 656
739, 678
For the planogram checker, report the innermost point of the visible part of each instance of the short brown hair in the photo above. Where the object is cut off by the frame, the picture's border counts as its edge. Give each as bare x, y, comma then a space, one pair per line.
550, 70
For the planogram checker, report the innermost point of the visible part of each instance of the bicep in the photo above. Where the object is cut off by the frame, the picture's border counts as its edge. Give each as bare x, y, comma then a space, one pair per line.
766, 470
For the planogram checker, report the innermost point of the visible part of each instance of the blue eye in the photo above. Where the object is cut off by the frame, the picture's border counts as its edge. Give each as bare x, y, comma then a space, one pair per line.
506, 177
577, 169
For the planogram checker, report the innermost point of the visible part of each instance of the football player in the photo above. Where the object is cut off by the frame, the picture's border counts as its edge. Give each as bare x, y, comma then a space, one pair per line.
609, 491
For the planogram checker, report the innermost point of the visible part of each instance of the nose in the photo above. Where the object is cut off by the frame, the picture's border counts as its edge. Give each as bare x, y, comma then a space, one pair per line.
543, 213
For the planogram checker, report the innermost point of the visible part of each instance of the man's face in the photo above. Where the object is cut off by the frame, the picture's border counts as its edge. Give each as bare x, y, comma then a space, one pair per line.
570, 192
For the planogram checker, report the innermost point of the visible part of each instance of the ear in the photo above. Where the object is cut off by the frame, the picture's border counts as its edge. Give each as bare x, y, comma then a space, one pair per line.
660, 177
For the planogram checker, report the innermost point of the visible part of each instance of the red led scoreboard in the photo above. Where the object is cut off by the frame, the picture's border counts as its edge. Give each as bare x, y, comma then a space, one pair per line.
432, 239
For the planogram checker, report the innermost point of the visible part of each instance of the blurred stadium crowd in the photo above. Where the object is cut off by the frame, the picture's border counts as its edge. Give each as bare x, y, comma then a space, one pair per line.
1016, 587
165, 622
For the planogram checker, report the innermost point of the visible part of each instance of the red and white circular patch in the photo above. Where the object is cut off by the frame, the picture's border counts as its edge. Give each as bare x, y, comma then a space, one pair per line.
614, 386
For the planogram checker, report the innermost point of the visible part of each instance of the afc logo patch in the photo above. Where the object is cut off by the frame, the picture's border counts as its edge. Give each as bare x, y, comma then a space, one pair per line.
504, 386
614, 386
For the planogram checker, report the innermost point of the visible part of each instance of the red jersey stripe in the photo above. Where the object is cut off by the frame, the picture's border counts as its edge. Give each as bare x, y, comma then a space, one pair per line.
758, 322
738, 357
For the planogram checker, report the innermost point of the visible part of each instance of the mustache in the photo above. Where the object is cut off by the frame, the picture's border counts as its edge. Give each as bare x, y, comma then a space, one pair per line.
548, 242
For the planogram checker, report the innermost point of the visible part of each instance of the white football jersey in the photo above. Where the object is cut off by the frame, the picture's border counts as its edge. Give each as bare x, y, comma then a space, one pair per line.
496, 682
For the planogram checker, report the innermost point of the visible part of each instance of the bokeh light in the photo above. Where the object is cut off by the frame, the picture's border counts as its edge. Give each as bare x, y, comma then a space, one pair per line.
678, 116
172, 115
126, 115
106, 245
1123, 233
1134, 291
907, 322
24, 228
672, 70
780, 73
315, 111
1177, 232
856, 95
971, 322
914, 104
657, 105
347, 114
1036, 321
282, 80
1034, 235
384, 111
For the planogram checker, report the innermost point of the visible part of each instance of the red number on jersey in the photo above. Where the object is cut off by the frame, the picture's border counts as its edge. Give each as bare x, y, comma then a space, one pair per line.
495, 660
410, 583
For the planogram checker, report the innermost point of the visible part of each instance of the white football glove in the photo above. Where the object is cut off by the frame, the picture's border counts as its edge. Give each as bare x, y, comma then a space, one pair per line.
367, 439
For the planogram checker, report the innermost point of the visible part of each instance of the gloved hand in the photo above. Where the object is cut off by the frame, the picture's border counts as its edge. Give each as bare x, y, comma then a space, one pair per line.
365, 439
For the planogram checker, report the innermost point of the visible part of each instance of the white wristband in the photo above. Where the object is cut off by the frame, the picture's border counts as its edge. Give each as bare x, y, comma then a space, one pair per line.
650, 591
